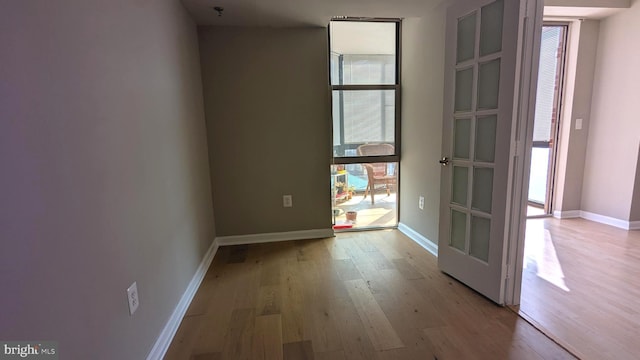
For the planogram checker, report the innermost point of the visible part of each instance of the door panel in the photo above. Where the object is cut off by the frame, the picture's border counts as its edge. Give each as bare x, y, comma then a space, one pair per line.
480, 78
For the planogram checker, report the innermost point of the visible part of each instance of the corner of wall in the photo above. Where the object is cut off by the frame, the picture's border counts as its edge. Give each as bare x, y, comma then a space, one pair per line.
159, 349
610, 175
634, 214
422, 97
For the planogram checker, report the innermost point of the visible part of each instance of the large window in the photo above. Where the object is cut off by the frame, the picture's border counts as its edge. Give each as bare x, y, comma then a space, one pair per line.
365, 83
365, 102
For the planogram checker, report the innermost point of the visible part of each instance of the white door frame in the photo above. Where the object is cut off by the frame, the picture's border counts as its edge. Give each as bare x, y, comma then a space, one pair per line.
521, 145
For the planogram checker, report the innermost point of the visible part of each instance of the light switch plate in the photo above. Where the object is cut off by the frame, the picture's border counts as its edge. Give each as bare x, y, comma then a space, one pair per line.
578, 124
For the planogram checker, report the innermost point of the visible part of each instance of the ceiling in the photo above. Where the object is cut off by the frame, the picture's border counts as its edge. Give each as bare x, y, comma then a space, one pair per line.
291, 13
584, 9
580, 12
294, 13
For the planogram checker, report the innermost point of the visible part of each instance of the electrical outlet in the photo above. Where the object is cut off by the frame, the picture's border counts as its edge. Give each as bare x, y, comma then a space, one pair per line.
287, 201
132, 296
421, 202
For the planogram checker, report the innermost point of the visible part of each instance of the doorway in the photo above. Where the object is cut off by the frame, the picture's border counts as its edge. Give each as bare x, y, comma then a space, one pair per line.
546, 123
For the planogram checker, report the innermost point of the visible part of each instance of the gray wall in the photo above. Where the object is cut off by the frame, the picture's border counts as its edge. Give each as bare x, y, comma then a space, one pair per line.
614, 131
422, 84
105, 177
268, 123
581, 56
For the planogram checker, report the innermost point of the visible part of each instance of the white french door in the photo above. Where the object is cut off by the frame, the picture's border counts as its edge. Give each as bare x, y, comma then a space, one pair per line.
481, 63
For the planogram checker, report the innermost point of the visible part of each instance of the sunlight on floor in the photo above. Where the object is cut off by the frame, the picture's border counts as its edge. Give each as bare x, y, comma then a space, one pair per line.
540, 255
535, 211
380, 214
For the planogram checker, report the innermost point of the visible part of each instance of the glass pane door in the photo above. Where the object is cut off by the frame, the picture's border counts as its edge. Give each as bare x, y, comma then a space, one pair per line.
476, 100
480, 77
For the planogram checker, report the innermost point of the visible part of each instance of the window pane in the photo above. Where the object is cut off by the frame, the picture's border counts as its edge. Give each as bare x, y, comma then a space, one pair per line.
461, 138
368, 69
466, 38
482, 189
491, 28
459, 187
364, 195
464, 87
458, 230
363, 116
486, 138
337, 130
480, 236
335, 65
363, 53
548, 82
489, 84
538, 176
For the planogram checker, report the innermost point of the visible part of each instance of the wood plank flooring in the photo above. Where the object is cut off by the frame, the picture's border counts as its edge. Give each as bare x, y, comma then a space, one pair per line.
368, 295
581, 285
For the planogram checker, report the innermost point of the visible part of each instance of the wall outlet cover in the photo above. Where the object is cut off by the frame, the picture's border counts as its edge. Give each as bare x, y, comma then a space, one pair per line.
287, 201
132, 296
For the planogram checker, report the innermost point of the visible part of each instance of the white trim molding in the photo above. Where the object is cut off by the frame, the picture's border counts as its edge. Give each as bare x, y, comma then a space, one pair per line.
566, 214
427, 244
622, 224
171, 327
274, 237
607, 220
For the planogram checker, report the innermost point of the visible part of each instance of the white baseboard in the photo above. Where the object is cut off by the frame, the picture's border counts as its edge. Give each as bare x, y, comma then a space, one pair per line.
169, 331
274, 237
607, 220
622, 224
427, 244
567, 214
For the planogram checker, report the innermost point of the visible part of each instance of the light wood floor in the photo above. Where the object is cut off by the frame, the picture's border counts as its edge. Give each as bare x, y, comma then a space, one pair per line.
535, 211
380, 214
368, 295
582, 284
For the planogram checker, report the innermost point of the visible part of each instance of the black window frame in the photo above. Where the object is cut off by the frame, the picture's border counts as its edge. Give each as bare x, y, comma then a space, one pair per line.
341, 160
